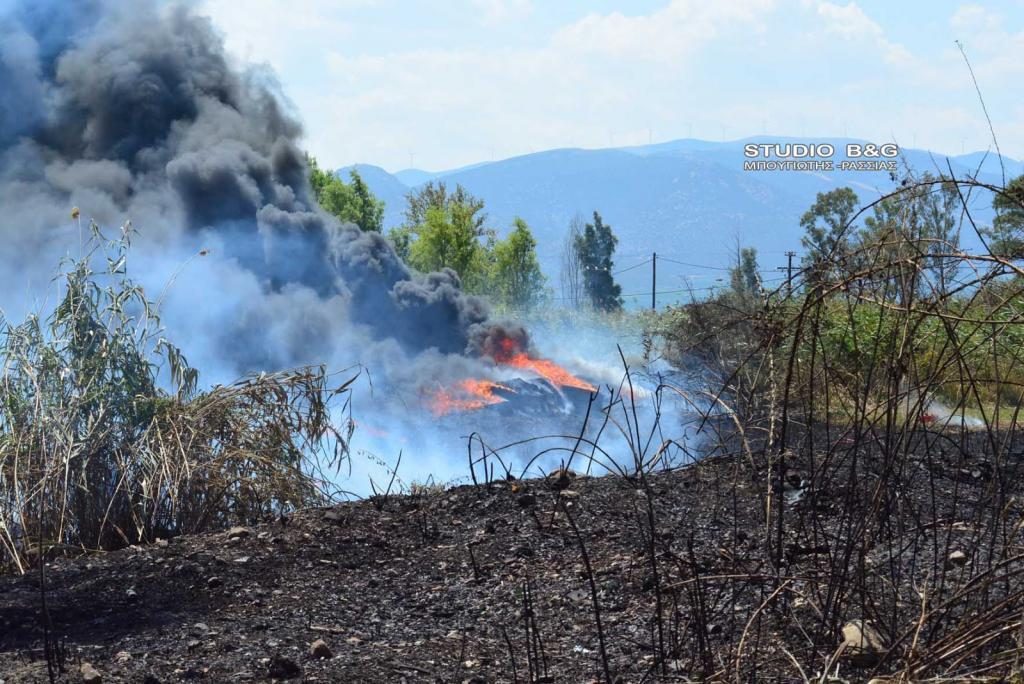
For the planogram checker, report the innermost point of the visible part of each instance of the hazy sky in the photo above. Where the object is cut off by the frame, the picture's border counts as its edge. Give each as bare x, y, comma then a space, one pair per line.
438, 84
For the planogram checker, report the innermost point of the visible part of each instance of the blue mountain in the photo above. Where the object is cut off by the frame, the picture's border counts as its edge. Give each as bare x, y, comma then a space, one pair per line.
691, 201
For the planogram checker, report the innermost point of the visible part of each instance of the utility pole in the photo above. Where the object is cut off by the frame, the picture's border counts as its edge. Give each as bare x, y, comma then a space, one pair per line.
788, 268
654, 280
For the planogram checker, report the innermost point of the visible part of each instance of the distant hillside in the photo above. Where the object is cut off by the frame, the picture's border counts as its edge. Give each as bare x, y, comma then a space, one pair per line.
385, 186
689, 200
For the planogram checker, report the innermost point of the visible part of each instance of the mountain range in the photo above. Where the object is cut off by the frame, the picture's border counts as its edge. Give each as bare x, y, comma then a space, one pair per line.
691, 201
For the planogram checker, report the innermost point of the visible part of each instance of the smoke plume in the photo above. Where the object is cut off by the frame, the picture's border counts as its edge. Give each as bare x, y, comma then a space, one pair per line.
132, 111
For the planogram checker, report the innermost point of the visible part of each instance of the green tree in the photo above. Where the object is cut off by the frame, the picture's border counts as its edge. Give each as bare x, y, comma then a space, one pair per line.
744, 278
448, 239
827, 232
907, 241
1007, 230
446, 230
596, 247
368, 209
401, 239
516, 275
436, 196
351, 202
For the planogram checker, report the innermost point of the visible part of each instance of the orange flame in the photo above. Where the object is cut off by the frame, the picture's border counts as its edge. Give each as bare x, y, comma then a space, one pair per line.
470, 394
467, 395
508, 354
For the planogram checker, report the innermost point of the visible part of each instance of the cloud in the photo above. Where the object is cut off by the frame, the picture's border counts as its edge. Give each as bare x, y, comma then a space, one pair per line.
680, 28
851, 23
495, 12
975, 19
279, 32
453, 89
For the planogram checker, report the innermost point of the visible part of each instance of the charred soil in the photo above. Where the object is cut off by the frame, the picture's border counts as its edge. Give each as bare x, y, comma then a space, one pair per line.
499, 582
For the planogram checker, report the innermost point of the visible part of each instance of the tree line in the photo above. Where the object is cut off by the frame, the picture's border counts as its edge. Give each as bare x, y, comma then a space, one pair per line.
445, 228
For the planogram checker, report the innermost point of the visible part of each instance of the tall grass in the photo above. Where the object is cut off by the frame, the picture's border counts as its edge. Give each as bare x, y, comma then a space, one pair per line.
881, 502
106, 440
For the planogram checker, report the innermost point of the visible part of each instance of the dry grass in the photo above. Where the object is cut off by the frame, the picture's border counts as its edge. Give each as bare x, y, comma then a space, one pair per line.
105, 440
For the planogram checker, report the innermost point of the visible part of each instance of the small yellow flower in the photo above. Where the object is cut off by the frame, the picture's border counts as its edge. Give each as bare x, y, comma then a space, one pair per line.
74, 212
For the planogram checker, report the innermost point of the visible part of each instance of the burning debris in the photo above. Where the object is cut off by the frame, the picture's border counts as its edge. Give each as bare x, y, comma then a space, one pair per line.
467, 395
547, 369
507, 348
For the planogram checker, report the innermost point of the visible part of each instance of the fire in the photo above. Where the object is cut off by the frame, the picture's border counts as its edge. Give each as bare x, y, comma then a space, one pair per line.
467, 395
509, 354
473, 394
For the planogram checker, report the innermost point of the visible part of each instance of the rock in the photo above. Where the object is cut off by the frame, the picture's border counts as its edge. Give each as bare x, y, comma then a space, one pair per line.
862, 641
122, 657
214, 582
526, 500
283, 668
334, 516
131, 594
956, 559
90, 674
561, 478
320, 649
238, 532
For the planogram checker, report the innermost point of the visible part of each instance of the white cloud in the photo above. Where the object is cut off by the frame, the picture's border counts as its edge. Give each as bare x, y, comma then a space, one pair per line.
457, 93
495, 12
851, 23
276, 32
994, 51
680, 28
975, 19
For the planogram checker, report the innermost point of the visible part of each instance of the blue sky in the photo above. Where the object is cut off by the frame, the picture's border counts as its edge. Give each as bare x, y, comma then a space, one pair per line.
439, 84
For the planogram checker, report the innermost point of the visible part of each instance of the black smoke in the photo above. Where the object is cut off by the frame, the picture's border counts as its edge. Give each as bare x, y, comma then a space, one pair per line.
134, 111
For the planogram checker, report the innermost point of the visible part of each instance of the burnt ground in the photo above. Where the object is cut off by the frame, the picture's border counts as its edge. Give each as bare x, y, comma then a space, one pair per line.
487, 583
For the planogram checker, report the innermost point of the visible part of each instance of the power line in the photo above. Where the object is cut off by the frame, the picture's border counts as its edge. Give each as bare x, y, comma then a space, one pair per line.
683, 263
630, 268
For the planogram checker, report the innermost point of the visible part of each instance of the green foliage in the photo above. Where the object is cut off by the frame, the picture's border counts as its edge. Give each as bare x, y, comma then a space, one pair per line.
914, 228
446, 230
516, 273
401, 239
827, 232
1007, 230
596, 249
436, 196
448, 239
743, 277
349, 202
